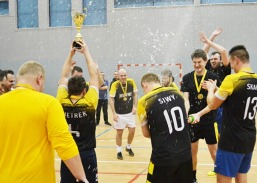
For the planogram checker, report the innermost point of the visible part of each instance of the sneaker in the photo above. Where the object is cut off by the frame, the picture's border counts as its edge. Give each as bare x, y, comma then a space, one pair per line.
194, 181
119, 156
211, 173
107, 123
130, 151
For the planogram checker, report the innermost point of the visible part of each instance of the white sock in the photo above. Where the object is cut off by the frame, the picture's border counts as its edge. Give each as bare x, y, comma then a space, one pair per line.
129, 146
119, 148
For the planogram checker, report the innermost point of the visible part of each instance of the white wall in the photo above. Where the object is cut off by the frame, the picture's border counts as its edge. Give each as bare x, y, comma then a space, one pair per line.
133, 35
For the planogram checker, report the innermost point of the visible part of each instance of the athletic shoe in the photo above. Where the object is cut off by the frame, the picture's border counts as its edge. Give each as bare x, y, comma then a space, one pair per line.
194, 181
107, 123
211, 173
130, 151
119, 156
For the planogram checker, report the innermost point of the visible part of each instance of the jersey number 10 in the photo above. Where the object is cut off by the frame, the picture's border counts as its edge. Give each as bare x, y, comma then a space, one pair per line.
177, 127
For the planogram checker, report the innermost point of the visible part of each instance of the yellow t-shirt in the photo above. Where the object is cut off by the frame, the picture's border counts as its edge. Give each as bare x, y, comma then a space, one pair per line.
32, 125
90, 98
229, 83
174, 86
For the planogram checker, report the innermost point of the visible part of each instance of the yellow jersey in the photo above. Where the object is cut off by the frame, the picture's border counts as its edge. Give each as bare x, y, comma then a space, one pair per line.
32, 125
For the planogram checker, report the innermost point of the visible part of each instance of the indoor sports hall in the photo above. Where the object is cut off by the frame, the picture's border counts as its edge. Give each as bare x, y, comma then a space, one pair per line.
140, 36
134, 169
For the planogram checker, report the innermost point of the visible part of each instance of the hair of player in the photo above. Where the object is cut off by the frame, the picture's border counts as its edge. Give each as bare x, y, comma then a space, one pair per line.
240, 52
150, 78
216, 52
32, 68
166, 72
76, 85
2, 75
76, 68
199, 53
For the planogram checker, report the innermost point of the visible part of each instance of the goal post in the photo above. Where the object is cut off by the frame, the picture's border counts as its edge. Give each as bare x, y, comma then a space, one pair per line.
136, 71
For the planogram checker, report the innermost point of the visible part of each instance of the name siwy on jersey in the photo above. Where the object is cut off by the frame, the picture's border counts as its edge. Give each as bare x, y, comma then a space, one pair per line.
167, 99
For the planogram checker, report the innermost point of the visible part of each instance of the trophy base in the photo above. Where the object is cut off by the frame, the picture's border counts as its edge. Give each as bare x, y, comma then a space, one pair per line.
76, 45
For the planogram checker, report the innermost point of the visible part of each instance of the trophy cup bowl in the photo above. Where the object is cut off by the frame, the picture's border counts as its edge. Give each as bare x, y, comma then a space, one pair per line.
78, 19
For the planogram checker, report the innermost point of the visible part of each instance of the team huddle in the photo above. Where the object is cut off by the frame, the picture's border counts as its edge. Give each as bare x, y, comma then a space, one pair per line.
221, 107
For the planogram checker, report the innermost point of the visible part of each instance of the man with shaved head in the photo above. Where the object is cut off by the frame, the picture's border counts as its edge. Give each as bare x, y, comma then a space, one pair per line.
123, 102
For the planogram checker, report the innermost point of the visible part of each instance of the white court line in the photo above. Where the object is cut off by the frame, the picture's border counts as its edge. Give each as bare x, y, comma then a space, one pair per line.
143, 162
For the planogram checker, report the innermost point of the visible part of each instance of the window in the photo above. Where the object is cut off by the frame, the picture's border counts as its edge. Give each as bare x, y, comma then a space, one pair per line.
60, 13
225, 1
4, 7
138, 3
96, 12
27, 12
172, 2
132, 3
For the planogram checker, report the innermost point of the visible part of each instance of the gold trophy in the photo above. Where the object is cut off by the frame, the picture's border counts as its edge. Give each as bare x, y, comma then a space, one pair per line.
78, 19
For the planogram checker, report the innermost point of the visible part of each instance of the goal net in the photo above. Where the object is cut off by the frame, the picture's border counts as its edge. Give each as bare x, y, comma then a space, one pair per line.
136, 71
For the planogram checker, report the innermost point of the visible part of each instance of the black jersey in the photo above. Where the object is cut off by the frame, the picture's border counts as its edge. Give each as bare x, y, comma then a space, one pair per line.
238, 133
113, 80
222, 71
165, 112
196, 105
81, 121
123, 96
81, 117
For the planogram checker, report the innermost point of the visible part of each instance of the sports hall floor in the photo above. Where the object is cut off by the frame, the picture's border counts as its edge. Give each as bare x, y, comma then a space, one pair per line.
134, 169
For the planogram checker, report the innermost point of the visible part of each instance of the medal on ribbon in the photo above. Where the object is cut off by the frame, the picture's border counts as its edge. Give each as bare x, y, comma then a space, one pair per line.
200, 96
199, 85
124, 91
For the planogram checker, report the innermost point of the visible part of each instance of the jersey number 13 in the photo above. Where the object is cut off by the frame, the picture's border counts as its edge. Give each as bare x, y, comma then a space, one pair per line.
250, 112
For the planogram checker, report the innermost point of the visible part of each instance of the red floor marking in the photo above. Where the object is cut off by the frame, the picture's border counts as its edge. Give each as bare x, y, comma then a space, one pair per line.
136, 177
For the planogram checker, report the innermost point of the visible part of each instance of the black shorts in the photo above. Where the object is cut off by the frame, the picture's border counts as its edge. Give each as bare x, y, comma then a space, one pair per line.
89, 162
182, 173
206, 132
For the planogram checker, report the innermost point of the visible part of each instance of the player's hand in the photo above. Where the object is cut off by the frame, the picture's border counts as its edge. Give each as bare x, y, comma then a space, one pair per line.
84, 48
72, 50
204, 85
211, 85
203, 37
115, 117
217, 31
193, 118
73, 63
134, 110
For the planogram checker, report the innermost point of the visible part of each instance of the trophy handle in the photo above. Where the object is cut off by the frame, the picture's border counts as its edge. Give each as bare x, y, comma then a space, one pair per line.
85, 11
